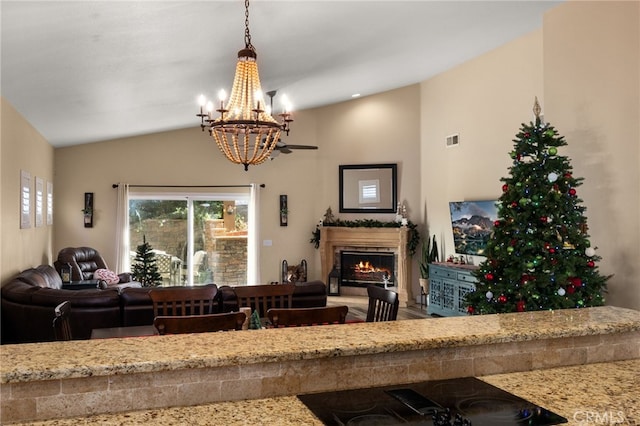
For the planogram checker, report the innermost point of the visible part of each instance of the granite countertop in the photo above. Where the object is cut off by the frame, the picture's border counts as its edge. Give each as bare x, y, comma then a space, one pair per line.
584, 394
45, 361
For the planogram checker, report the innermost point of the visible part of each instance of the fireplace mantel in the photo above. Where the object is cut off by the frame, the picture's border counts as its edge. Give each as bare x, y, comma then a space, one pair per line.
335, 237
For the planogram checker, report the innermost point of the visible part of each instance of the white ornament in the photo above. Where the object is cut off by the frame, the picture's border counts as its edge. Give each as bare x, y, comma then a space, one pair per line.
552, 177
590, 251
489, 295
561, 291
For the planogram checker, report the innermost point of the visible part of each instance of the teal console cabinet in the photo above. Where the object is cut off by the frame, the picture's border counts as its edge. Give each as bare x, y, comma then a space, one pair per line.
448, 284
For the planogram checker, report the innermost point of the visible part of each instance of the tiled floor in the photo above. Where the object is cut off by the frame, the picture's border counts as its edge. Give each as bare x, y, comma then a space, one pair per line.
358, 308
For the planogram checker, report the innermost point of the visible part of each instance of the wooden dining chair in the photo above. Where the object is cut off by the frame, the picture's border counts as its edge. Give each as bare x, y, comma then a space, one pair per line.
181, 301
383, 304
263, 297
307, 316
61, 324
199, 323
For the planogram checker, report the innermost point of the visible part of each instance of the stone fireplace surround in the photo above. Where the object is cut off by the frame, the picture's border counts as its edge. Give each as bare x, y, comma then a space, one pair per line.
333, 239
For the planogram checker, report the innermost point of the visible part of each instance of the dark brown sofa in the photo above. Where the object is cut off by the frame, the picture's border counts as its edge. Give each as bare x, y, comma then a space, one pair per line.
29, 299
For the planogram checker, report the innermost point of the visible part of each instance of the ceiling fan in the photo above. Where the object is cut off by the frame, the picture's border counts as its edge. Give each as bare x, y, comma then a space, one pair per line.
282, 147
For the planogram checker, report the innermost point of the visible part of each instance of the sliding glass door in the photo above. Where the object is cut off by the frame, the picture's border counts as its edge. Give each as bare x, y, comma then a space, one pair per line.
196, 238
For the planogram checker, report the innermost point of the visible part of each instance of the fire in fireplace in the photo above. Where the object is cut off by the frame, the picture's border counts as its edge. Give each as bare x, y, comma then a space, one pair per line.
362, 268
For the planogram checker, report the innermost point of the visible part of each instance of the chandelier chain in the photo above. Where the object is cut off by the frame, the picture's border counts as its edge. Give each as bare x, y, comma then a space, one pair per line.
247, 35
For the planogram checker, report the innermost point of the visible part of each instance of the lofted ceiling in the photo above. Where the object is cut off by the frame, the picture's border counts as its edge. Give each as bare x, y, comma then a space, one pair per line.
86, 71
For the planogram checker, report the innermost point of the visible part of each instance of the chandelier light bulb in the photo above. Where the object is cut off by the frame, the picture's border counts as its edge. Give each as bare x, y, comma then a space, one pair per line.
202, 101
258, 96
286, 104
209, 107
222, 95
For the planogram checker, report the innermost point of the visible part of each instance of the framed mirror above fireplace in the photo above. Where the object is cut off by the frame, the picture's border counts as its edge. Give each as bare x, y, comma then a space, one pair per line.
368, 188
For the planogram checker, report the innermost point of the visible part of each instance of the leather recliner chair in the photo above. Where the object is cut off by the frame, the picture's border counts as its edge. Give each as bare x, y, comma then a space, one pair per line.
84, 262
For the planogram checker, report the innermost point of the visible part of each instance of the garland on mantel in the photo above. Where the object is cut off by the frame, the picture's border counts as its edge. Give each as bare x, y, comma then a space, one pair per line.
414, 235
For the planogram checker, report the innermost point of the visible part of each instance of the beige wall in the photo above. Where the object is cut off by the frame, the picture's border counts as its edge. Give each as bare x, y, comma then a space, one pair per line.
592, 96
484, 101
189, 157
21, 148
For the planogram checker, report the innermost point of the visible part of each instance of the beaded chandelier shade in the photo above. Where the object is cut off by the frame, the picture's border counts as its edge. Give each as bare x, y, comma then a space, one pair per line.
245, 131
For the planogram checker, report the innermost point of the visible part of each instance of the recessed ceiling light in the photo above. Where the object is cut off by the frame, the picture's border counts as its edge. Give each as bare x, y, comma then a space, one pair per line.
355, 95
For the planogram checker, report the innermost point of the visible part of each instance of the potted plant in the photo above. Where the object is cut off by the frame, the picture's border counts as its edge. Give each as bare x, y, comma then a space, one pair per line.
87, 212
429, 255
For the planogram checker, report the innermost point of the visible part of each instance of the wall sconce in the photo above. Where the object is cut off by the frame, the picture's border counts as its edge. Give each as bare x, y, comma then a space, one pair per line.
284, 211
87, 211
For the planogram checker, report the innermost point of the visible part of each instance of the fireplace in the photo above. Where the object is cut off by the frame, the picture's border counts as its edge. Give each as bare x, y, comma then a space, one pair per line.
361, 268
334, 239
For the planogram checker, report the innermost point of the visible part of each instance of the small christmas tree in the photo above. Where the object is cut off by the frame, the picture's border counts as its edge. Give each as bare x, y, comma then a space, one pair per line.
539, 256
254, 321
145, 269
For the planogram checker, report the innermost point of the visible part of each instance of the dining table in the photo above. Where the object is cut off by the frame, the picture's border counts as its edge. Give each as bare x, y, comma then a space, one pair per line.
130, 331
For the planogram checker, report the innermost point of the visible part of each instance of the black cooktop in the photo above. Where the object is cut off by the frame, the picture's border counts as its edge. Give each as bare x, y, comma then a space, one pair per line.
457, 402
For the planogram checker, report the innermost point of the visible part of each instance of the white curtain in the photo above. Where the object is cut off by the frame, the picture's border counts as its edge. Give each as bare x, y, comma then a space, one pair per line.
123, 263
253, 248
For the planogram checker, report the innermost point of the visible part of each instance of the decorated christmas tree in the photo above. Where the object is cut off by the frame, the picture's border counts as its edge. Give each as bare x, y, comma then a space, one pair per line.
539, 256
145, 269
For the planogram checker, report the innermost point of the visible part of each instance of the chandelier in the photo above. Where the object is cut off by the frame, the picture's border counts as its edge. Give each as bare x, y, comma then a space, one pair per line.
245, 131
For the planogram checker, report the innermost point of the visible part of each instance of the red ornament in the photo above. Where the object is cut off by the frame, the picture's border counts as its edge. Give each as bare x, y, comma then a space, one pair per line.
470, 310
489, 276
513, 242
552, 250
543, 219
527, 134
520, 306
505, 187
591, 264
575, 281
496, 223
572, 192
525, 278
571, 289
502, 298
514, 204
567, 175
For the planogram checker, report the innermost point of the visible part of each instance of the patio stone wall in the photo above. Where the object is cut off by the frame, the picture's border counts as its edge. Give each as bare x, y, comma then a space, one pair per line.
226, 251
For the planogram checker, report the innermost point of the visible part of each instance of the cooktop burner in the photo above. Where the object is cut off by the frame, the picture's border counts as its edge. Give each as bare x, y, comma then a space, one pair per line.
457, 402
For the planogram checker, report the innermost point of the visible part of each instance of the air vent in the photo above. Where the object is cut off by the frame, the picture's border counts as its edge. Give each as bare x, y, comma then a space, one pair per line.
453, 140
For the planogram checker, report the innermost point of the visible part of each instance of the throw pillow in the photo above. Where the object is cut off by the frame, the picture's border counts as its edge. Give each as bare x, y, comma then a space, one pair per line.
106, 275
